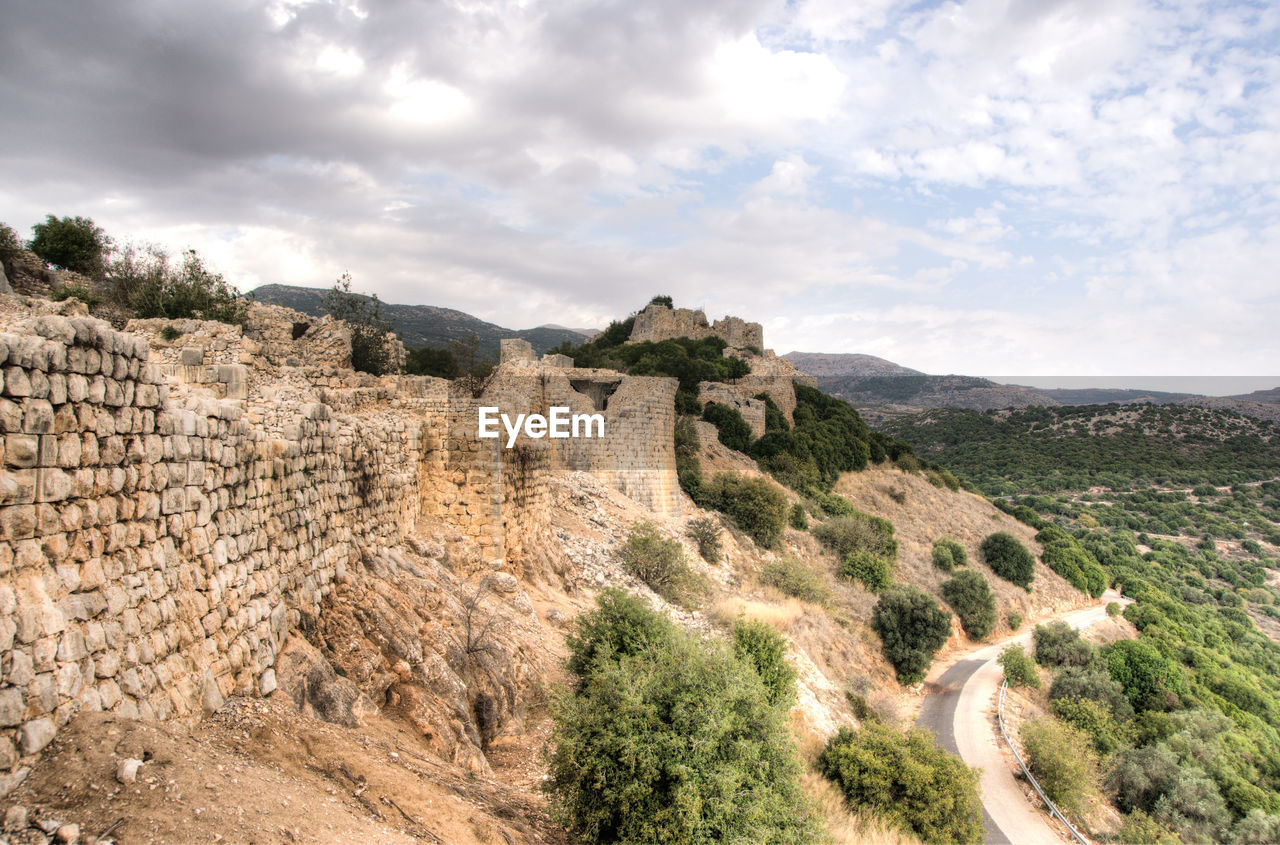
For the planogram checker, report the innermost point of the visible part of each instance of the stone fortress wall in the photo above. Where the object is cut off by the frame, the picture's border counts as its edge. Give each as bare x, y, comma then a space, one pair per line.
170, 509
769, 374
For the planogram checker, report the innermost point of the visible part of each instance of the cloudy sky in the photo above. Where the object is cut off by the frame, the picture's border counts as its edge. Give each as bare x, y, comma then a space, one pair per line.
989, 186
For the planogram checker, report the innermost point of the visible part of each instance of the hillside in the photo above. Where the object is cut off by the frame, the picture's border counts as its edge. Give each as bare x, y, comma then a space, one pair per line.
425, 325
819, 364
1181, 505
1074, 448
925, 391
339, 614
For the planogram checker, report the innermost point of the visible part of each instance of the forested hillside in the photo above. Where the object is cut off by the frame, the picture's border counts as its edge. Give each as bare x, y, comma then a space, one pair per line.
1180, 506
1073, 448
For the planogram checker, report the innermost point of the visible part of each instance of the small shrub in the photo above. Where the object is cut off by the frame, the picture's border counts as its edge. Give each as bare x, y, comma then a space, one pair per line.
766, 651
833, 504
1058, 644
872, 571
659, 562
1019, 669
971, 598
1009, 559
84, 293
170, 333
912, 627
907, 779
798, 520
1113, 608
755, 505
1141, 829
796, 578
1063, 760
865, 545
949, 554
370, 349
705, 533
1014, 618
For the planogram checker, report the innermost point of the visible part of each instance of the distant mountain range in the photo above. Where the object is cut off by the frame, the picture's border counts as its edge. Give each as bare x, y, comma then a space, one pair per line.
822, 364
883, 390
428, 325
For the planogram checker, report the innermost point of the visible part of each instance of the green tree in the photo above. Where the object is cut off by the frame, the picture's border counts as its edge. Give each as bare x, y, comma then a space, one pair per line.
72, 243
1009, 559
675, 741
1019, 668
370, 349
427, 361
1150, 680
755, 505
949, 554
971, 598
1058, 644
912, 628
621, 624
907, 779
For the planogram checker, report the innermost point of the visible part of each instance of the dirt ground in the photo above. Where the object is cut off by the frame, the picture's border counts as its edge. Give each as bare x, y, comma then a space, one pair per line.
259, 772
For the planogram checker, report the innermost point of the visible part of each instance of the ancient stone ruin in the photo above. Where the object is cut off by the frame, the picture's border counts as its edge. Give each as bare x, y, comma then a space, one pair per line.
179, 496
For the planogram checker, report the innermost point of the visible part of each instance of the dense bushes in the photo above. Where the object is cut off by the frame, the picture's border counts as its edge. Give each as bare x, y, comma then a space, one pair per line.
971, 599
766, 651
669, 738
912, 628
755, 505
1009, 559
1065, 556
949, 554
1019, 668
191, 291
795, 578
427, 361
1063, 760
733, 429
906, 779
659, 562
864, 544
1150, 680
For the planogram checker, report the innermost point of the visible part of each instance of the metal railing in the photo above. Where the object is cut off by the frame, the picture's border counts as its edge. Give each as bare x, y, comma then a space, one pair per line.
1053, 808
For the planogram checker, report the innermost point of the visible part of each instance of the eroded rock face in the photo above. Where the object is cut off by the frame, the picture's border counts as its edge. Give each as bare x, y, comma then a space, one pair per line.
458, 659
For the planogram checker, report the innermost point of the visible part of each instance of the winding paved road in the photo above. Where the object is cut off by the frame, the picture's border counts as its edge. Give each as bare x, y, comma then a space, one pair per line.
959, 710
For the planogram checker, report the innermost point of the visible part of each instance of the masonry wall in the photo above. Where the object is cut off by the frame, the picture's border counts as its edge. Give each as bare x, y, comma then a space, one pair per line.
155, 549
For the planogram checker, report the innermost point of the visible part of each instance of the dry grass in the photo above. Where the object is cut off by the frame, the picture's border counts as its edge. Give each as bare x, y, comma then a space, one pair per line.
922, 513
843, 826
778, 616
